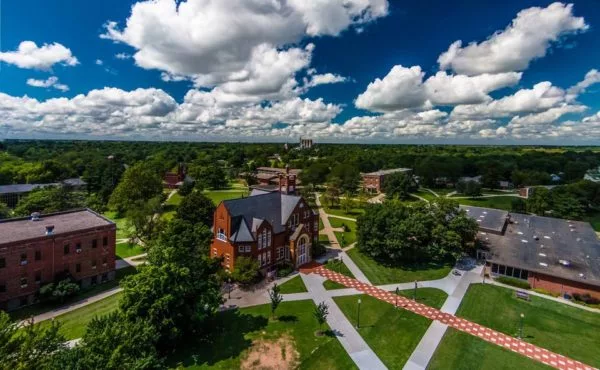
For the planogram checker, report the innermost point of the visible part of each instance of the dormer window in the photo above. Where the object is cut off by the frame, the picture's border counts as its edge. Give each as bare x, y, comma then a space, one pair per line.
221, 235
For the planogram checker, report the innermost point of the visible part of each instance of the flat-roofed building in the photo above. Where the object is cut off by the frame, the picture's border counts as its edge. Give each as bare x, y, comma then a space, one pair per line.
373, 181
36, 250
560, 256
11, 194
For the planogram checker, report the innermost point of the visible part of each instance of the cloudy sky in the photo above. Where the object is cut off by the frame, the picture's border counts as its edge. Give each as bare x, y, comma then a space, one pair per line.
273, 70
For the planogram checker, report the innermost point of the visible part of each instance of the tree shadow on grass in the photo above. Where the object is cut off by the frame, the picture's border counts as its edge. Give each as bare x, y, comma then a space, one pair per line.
288, 318
226, 340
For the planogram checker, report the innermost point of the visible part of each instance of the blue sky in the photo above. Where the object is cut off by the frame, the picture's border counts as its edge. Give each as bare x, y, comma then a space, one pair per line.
251, 70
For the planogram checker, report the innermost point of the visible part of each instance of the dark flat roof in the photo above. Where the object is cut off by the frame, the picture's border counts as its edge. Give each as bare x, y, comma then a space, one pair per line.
17, 229
490, 219
22, 188
573, 242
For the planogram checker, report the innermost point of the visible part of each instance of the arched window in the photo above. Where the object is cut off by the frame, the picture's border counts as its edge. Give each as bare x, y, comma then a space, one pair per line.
268, 238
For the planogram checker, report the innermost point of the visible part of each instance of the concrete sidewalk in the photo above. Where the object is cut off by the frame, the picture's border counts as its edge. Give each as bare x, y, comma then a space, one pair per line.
360, 352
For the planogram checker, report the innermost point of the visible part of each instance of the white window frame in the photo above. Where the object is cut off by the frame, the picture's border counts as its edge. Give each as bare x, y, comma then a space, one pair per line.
221, 235
241, 249
248, 248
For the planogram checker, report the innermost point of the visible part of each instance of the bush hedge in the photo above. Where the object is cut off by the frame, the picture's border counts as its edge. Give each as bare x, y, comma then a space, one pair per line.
544, 291
586, 298
513, 282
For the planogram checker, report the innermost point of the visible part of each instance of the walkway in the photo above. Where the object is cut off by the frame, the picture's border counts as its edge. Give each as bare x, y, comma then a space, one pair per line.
516, 345
360, 352
130, 261
327, 229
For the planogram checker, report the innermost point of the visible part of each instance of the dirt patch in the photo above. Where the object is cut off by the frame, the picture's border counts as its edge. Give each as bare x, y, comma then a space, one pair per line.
277, 354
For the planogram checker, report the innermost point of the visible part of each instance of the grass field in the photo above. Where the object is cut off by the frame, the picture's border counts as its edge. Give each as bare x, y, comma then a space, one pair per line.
294, 285
241, 331
220, 195
560, 328
504, 203
339, 267
379, 274
338, 211
392, 333
175, 200
126, 249
459, 350
425, 194
120, 222
350, 236
73, 323
594, 219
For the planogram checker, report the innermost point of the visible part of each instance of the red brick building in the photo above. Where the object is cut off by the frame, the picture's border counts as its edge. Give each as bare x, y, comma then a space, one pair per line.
273, 227
173, 180
560, 256
277, 179
373, 181
34, 251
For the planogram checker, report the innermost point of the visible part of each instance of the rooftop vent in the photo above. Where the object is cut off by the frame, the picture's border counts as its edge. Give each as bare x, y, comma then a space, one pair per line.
49, 229
565, 263
35, 216
543, 264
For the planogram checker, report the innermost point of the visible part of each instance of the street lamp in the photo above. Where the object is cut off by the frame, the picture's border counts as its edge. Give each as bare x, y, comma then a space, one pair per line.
229, 288
521, 327
415, 292
358, 315
397, 294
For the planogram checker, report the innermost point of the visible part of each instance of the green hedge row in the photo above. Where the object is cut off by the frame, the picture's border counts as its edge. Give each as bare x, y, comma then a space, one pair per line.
523, 284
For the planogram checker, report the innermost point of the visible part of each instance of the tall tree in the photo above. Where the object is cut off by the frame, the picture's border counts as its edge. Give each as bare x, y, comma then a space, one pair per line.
139, 183
321, 313
276, 298
50, 199
143, 219
399, 185
196, 208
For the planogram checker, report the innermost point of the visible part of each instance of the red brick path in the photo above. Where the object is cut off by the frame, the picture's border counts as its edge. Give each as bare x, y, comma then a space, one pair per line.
526, 349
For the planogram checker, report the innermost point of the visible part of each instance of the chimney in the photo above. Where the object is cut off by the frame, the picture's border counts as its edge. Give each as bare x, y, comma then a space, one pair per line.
49, 229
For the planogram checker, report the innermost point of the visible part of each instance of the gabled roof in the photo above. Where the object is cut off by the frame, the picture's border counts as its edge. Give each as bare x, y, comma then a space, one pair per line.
248, 213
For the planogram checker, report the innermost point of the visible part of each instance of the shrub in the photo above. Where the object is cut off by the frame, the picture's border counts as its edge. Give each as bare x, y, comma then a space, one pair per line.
318, 250
246, 270
513, 282
586, 298
544, 291
285, 271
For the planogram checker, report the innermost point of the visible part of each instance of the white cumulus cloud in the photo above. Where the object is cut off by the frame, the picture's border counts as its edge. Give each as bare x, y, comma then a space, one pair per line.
30, 56
49, 82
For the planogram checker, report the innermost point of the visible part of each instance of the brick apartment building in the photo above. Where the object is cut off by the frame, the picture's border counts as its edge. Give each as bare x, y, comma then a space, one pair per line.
560, 256
373, 181
273, 227
277, 179
36, 250
174, 179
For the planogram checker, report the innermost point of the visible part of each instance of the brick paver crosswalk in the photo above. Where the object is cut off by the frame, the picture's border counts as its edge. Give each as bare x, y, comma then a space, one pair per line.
516, 345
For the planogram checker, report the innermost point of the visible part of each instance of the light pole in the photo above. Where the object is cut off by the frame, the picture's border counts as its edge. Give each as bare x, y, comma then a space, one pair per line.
521, 327
358, 315
397, 294
415, 292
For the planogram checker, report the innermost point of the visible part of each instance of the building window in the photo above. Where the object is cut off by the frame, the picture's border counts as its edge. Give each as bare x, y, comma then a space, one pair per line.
494, 268
94, 243
66, 248
23, 259
78, 267
268, 257
241, 249
23, 282
2, 263
221, 235
316, 226
105, 241
268, 238
2, 288
104, 277
501, 269
38, 255
104, 261
78, 247
38, 277
94, 264
94, 280
248, 248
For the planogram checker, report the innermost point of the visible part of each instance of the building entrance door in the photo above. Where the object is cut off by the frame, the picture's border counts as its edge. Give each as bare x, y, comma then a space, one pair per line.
303, 250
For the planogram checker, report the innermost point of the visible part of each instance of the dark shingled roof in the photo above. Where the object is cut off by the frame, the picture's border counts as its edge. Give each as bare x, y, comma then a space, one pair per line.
539, 244
248, 213
17, 229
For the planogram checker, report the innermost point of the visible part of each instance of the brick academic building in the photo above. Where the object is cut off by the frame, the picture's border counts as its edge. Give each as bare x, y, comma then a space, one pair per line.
274, 228
556, 255
373, 181
36, 250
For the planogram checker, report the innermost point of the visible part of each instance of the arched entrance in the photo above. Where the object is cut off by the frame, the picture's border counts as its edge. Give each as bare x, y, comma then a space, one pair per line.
303, 250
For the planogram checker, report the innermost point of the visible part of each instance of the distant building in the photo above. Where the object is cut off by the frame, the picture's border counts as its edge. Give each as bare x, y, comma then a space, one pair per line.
373, 181
528, 191
173, 180
476, 179
306, 143
36, 250
272, 227
270, 179
11, 194
556, 255
592, 175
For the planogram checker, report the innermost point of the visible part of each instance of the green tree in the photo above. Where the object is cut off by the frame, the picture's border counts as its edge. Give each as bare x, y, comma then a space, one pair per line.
5, 212
539, 201
399, 185
347, 203
210, 176
321, 313
518, 205
139, 184
276, 298
332, 194
346, 176
64, 289
186, 188
113, 342
196, 208
469, 188
315, 174
143, 221
246, 270
50, 199
31, 347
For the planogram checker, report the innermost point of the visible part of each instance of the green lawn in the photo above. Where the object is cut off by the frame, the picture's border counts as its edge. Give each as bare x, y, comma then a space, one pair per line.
504, 203
338, 211
217, 196
73, 323
39, 308
339, 267
294, 285
238, 330
392, 333
120, 222
126, 249
425, 194
560, 328
350, 236
175, 200
594, 219
379, 274
321, 226
459, 350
